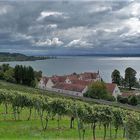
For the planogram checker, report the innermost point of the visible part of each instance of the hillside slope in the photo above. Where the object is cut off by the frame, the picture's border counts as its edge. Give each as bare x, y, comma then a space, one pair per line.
18, 57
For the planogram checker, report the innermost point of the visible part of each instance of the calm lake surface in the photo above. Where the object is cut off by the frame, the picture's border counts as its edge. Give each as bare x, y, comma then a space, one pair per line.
67, 65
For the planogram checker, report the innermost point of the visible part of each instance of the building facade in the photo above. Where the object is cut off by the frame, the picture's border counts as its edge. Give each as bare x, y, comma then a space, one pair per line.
75, 84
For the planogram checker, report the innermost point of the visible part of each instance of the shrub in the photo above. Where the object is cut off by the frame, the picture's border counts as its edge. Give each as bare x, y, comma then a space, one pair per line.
97, 90
133, 128
110, 98
123, 100
132, 100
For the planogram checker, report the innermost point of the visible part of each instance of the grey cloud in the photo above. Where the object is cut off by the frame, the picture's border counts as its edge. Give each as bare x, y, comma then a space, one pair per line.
72, 26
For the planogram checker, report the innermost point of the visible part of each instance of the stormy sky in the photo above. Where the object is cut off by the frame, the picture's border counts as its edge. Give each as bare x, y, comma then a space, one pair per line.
70, 27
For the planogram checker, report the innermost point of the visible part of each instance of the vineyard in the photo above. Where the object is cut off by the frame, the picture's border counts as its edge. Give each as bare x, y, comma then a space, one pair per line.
35, 116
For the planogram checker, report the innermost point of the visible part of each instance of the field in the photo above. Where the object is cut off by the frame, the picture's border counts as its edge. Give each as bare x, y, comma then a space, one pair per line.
31, 130
24, 129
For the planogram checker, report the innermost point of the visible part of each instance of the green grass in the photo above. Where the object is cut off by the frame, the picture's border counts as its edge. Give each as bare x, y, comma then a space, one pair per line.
31, 130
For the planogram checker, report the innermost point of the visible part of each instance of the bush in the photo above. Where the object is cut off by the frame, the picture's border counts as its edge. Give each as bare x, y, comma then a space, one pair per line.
110, 98
96, 90
123, 100
133, 128
138, 99
132, 100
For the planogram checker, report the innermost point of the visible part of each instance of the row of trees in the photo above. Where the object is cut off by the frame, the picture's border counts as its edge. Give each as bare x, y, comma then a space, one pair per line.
85, 114
129, 79
20, 74
24, 75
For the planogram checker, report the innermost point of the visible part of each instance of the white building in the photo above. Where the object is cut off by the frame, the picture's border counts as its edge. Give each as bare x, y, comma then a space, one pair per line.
113, 89
75, 84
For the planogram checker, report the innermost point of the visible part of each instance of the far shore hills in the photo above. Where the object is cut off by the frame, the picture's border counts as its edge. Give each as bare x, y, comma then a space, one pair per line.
6, 56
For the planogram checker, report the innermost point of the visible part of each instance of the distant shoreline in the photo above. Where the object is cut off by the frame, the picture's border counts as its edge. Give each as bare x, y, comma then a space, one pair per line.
10, 57
102, 55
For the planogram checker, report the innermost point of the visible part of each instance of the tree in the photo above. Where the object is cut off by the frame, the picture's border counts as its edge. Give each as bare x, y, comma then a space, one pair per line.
97, 90
116, 77
1, 75
133, 127
71, 113
138, 99
59, 108
130, 77
105, 117
18, 103
123, 100
132, 100
29, 104
91, 116
117, 120
39, 103
5, 67
38, 75
6, 100
122, 82
32, 76
18, 73
9, 75
24, 75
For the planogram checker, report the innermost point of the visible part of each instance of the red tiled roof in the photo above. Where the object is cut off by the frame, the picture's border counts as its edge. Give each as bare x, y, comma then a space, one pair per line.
56, 79
80, 82
110, 87
88, 75
70, 87
72, 77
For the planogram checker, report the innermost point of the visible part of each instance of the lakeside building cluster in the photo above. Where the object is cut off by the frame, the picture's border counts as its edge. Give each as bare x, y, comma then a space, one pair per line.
75, 84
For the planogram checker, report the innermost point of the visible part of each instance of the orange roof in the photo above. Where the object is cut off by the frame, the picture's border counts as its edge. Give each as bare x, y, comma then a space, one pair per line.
80, 82
88, 75
72, 77
70, 87
110, 87
56, 79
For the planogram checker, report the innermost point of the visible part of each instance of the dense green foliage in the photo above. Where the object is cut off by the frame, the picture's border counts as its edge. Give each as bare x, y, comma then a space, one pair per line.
126, 84
131, 100
116, 77
98, 90
130, 77
48, 108
133, 127
123, 100
28, 123
20, 74
24, 75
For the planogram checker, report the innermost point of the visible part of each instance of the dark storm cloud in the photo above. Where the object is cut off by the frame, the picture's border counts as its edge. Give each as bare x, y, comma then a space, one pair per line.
69, 27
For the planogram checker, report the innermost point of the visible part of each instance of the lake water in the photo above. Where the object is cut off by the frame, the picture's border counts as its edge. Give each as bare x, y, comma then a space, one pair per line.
68, 65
